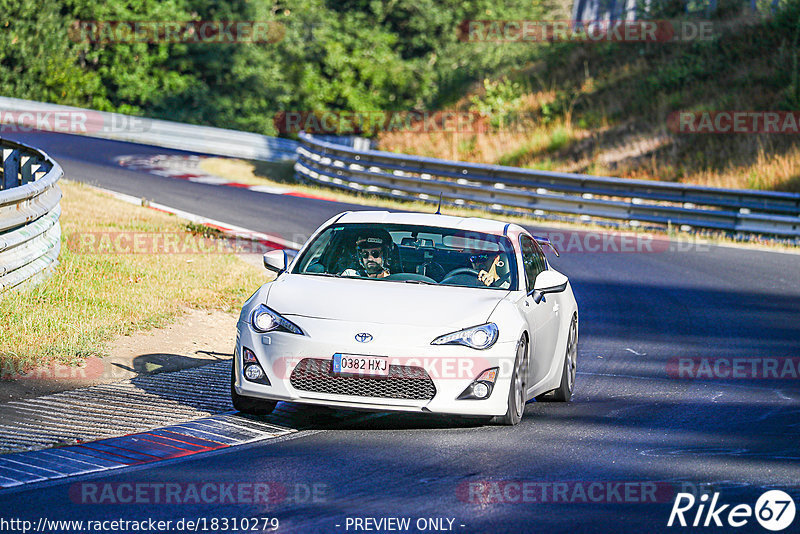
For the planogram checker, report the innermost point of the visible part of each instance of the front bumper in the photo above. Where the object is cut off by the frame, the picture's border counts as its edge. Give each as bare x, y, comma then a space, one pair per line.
450, 368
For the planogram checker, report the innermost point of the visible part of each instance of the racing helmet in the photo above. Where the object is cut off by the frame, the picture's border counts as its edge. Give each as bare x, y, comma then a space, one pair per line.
373, 238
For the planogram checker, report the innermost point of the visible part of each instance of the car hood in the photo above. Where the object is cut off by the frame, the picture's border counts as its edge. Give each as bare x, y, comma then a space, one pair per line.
382, 302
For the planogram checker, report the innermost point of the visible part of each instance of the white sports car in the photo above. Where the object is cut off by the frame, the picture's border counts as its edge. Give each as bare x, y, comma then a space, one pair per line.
409, 312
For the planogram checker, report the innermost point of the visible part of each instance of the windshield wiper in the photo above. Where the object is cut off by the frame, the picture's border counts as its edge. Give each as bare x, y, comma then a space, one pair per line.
333, 275
423, 282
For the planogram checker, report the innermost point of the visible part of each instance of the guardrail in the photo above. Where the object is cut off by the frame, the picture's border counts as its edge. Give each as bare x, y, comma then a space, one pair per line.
499, 189
27, 114
528, 192
30, 233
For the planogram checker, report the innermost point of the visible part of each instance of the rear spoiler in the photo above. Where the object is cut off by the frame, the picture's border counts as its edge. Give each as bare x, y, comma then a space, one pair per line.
544, 242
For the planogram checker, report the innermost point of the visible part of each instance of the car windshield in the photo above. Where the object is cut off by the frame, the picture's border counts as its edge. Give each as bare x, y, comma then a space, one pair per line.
411, 254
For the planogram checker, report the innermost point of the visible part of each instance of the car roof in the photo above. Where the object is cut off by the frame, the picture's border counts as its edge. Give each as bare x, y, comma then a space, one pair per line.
475, 224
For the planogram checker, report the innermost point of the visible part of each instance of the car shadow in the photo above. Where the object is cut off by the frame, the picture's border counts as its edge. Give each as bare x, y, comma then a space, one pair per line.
164, 362
323, 418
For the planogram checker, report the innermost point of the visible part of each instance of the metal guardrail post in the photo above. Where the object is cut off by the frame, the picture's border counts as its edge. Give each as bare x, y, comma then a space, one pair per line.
26, 170
11, 170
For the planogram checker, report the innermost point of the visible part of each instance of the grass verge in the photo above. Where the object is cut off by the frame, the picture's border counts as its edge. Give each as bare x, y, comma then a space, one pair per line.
93, 297
250, 172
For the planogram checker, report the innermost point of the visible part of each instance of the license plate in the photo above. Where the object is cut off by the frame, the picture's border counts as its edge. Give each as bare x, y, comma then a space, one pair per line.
355, 364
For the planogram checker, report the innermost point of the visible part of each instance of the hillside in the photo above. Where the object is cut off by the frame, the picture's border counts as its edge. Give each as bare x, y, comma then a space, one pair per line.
613, 108
592, 107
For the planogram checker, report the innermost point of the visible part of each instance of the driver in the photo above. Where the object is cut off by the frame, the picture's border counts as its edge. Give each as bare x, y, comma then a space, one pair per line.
487, 266
372, 252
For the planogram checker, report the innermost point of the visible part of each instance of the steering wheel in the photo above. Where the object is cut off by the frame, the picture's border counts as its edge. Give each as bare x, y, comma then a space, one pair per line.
432, 270
461, 270
466, 270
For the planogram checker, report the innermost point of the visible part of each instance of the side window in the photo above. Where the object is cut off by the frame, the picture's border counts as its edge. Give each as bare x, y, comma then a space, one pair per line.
540, 257
532, 259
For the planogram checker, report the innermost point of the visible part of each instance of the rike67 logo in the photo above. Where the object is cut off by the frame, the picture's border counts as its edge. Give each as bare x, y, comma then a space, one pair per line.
774, 510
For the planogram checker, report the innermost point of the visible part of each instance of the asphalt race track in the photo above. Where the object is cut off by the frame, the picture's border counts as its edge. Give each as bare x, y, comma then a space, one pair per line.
638, 430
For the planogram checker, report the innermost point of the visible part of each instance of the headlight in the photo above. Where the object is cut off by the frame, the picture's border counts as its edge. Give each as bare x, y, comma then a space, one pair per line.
265, 320
477, 337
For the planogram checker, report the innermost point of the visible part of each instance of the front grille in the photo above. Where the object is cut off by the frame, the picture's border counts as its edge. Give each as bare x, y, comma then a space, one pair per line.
403, 382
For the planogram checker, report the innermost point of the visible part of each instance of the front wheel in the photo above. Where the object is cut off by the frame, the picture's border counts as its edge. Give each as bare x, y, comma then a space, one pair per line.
518, 390
564, 391
249, 405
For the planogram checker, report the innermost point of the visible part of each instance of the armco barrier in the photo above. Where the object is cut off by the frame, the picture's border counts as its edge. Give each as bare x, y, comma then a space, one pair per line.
531, 192
27, 114
30, 233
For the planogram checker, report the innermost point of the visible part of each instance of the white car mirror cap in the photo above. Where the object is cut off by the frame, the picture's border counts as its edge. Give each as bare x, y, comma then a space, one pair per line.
548, 282
275, 260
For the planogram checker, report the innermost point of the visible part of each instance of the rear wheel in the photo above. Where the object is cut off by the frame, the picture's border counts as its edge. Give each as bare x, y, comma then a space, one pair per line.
249, 405
518, 390
564, 391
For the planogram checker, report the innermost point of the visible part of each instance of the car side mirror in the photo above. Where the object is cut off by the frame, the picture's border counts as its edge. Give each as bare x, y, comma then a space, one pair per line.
548, 282
278, 260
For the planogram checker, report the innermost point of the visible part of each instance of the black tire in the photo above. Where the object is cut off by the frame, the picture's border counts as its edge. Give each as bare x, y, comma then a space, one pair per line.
564, 391
249, 405
519, 383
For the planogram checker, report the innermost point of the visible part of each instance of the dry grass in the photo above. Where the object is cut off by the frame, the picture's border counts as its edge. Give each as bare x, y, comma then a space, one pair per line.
93, 297
753, 161
603, 109
770, 171
248, 173
241, 170
527, 144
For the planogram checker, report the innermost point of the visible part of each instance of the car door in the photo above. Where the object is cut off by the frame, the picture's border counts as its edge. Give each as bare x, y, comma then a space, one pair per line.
542, 321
